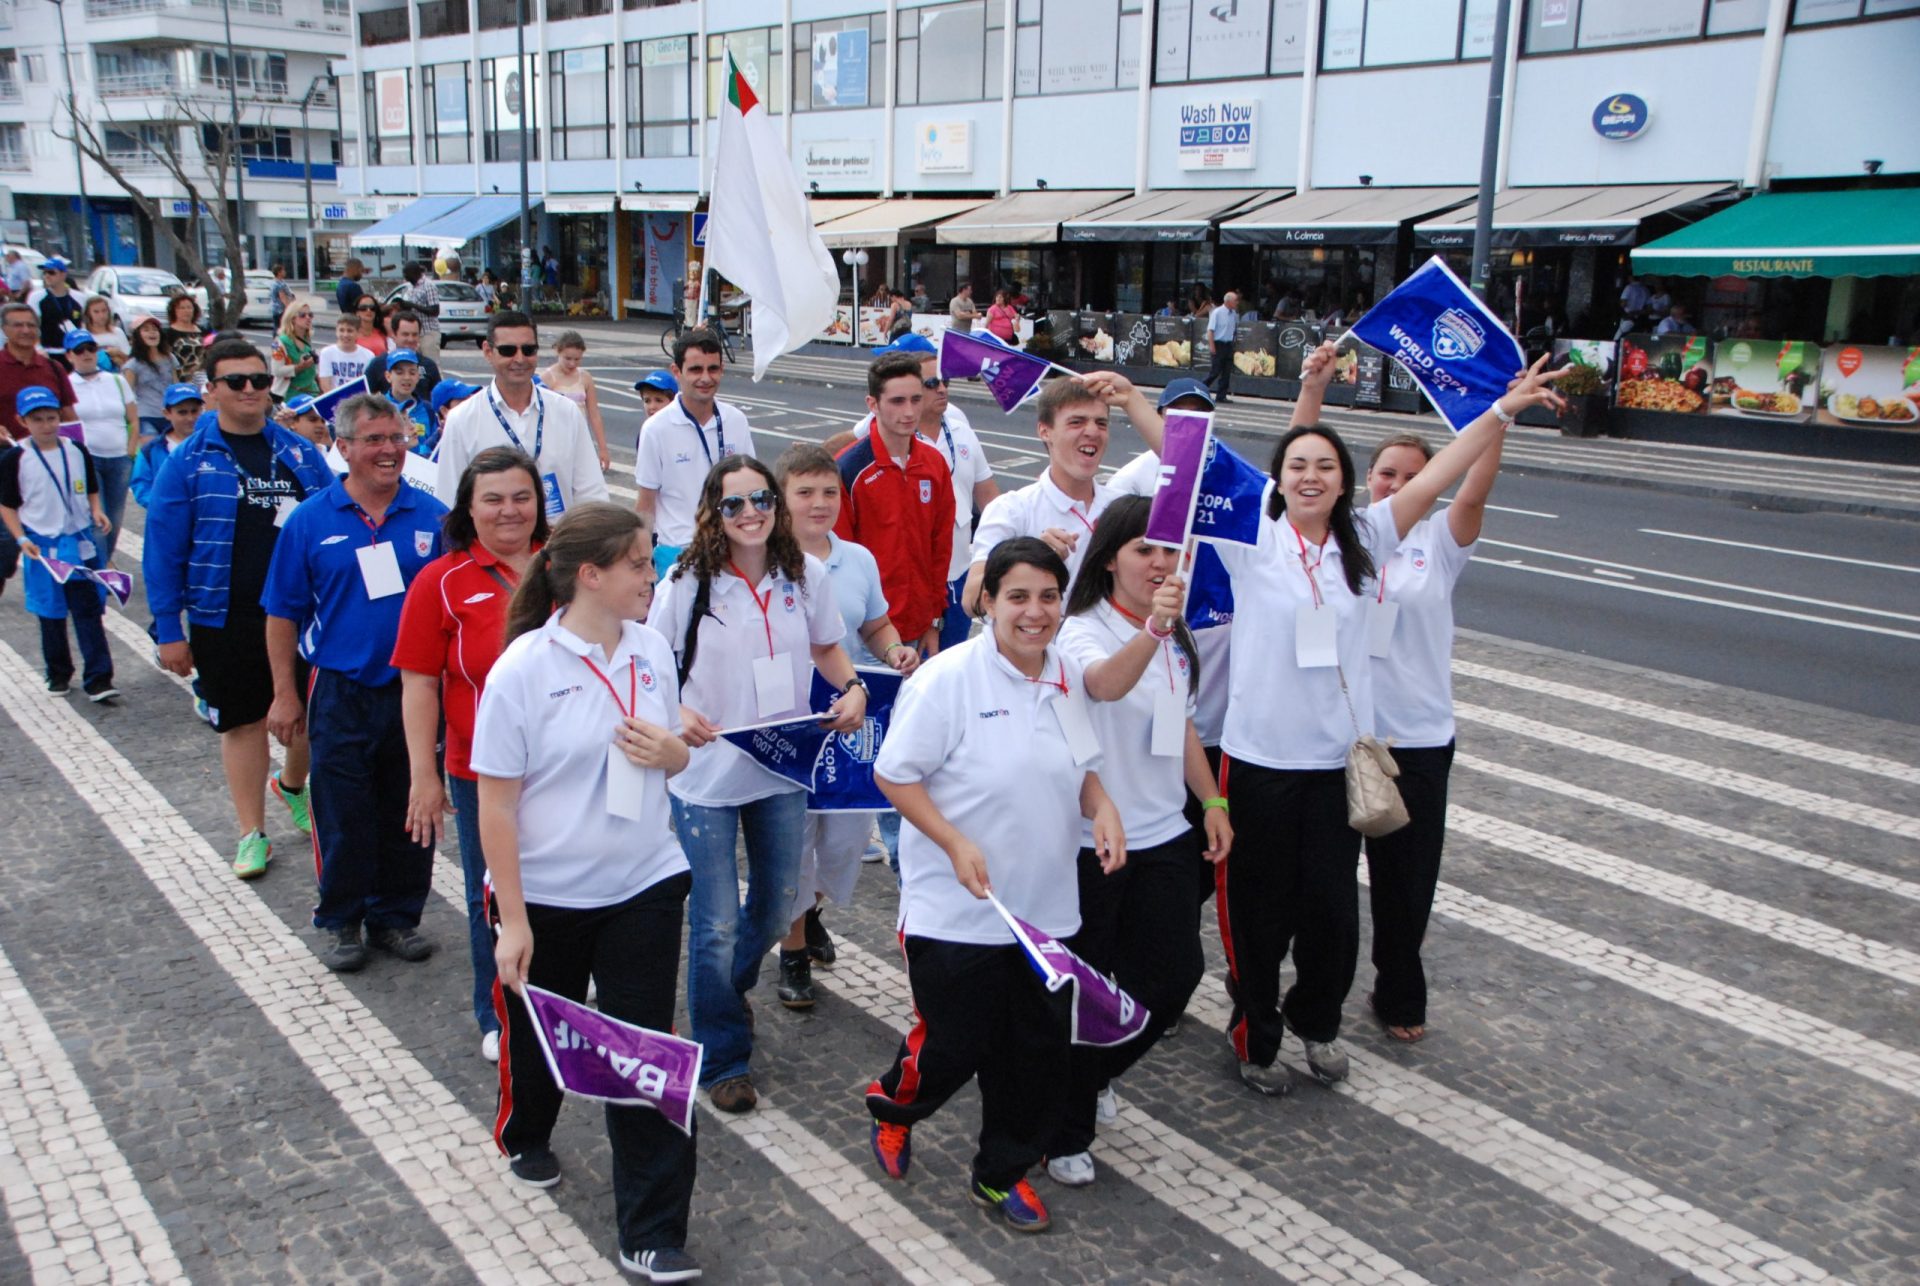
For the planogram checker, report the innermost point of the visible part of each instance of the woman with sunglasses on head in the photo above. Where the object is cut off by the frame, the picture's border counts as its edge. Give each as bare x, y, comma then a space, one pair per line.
150, 366
573, 745
1294, 709
750, 616
292, 358
184, 339
993, 760
1141, 923
374, 336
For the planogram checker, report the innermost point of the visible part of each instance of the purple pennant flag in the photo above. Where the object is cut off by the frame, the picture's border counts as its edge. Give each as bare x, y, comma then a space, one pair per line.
598, 1057
1103, 1014
1009, 374
119, 584
74, 432
1183, 461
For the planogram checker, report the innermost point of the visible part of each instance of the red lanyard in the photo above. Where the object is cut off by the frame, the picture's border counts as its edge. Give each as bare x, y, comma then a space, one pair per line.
372, 526
1382, 597
1166, 645
1311, 569
763, 603
1060, 683
633, 686
1082, 517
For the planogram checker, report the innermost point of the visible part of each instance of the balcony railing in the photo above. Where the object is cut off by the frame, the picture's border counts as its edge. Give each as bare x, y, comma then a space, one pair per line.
443, 18
561, 10
136, 84
9, 90
122, 8
384, 27
14, 162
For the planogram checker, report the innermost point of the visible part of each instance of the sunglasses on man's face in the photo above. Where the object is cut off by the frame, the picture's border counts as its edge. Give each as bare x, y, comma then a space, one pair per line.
514, 350
258, 381
934, 383
733, 506
84, 348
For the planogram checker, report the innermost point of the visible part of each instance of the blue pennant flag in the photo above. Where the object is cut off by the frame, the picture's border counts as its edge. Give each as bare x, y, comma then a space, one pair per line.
1210, 596
1454, 347
835, 767
327, 405
1229, 503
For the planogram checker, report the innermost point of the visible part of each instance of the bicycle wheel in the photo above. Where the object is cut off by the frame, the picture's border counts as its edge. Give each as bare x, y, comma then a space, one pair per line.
669, 337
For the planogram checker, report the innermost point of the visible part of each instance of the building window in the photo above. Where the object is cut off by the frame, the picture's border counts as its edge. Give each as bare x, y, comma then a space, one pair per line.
13, 148
443, 18
260, 74
952, 53
1078, 46
758, 51
131, 144
34, 68
1400, 33
582, 120
846, 63
1555, 26
386, 116
446, 123
264, 143
561, 10
660, 83
504, 94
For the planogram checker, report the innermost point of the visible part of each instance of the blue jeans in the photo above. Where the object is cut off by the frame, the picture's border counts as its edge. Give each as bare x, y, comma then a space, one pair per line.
115, 473
465, 795
727, 940
890, 836
955, 624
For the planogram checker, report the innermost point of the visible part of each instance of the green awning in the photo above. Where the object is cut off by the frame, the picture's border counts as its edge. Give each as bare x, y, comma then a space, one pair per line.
1863, 233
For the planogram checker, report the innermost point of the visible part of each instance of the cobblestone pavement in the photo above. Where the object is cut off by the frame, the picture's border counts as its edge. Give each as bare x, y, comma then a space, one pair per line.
1676, 948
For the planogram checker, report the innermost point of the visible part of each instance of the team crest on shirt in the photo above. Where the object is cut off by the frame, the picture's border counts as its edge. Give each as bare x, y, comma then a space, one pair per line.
647, 680
1419, 559
926, 491
966, 452
423, 543
786, 593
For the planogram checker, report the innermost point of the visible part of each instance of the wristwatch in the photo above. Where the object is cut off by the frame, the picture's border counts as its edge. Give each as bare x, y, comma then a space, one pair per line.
855, 682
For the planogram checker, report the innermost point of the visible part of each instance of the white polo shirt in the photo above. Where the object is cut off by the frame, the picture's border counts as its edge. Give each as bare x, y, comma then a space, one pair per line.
49, 488
1413, 683
1149, 790
676, 453
1278, 714
562, 443
1035, 507
546, 719
732, 636
987, 744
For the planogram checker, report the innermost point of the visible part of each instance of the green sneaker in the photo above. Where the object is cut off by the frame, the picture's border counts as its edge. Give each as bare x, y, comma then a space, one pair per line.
250, 859
296, 802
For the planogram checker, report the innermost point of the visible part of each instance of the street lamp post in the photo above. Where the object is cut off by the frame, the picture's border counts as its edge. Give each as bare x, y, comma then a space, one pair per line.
526, 208
306, 156
87, 256
1482, 266
239, 161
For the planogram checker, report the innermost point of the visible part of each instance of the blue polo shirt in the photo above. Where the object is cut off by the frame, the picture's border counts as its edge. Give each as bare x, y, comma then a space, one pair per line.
315, 579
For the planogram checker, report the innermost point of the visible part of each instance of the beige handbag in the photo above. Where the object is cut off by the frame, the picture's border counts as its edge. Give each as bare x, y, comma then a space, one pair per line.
1374, 806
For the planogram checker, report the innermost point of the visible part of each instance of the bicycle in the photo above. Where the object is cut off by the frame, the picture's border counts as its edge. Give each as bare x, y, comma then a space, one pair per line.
679, 327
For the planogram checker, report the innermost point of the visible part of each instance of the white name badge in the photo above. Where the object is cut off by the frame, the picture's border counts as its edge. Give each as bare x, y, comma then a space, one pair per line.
283, 509
87, 550
1169, 722
1315, 643
1077, 725
773, 684
380, 570
1381, 618
626, 784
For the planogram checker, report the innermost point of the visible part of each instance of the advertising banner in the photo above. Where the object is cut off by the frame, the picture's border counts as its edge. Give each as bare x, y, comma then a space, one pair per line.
390, 97
944, 147
1870, 387
1591, 362
1172, 342
1217, 134
1253, 349
1765, 379
1664, 373
1133, 339
840, 69
1092, 341
1292, 341
840, 329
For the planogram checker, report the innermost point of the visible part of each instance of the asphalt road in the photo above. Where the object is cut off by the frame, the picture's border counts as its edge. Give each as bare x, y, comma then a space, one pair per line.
1818, 607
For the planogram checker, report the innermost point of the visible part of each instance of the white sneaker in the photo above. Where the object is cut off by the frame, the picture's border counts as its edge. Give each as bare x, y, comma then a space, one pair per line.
490, 1047
1074, 1171
1106, 1106
875, 852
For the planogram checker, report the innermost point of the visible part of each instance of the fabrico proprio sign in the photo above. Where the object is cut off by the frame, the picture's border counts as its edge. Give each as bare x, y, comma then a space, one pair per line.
1217, 135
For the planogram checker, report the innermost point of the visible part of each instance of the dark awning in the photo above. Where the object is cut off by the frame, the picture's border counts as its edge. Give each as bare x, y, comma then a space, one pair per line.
1023, 219
1339, 216
1571, 216
1161, 216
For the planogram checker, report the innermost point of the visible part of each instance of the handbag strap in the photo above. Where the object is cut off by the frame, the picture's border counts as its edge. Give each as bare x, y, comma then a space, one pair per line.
1351, 716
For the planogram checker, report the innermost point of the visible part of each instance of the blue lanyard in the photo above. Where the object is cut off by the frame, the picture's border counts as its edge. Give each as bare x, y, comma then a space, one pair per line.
700, 430
539, 423
946, 435
66, 471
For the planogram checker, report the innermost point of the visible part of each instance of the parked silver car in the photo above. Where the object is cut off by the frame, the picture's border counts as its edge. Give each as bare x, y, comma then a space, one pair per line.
133, 290
463, 314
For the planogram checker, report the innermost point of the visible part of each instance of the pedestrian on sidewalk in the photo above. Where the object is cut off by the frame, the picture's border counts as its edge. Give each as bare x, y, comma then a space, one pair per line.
961, 307
571, 380
333, 596
581, 893
294, 363
423, 297
213, 520
1222, 325
680, 444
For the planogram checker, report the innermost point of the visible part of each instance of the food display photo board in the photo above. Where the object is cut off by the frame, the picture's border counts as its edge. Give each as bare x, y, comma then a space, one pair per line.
1765, 379
1671, 373
1868, 387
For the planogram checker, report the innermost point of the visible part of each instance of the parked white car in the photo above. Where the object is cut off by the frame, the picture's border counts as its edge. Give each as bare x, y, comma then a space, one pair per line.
259, 309
133, 290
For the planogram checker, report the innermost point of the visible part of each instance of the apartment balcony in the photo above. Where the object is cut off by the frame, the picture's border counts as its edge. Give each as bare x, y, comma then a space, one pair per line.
160, 19
122, 8
144, 84
443, 18
10, 91
384, 27
14, 162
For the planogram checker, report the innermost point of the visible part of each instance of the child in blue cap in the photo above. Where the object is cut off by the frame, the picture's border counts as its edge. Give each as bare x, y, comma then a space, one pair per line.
50, 503
183, 404
656, 389
403, 377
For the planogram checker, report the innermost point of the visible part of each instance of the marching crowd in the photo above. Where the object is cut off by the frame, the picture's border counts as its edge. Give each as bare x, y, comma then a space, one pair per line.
503, 654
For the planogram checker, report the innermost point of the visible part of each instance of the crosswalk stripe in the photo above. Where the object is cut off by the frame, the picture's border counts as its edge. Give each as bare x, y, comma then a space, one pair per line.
424, 1134
1743, 735
1689, 895
1271, 1227
57, 1160
1691, 826
1694, 772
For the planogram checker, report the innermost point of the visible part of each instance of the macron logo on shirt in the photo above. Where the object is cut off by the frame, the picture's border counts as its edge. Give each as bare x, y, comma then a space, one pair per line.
565, 692
333, 540
996, 714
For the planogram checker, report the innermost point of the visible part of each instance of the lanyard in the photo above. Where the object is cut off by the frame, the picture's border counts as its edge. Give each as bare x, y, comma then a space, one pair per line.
700, 430
759, 601
1082, 517
1166, 645
946, 436
633, 686
66, 472
372, 526
1311, 570
539, 423
1060, 683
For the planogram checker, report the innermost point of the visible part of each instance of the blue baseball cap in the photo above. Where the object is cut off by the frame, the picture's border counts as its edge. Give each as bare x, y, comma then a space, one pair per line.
908, 343
400, 355
178, 393
34, 399
658, 380
447, 392
54, 263
76, 338
1177, 389
303, 404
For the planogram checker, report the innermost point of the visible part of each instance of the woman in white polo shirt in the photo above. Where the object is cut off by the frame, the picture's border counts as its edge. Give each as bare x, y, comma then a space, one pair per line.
750, 616
1294, 709
993, 761
1142, 923
588, 881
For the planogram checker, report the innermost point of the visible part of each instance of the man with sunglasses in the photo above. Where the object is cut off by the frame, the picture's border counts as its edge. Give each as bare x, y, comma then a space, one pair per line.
213, 518
59, 305
683, 440
515, 412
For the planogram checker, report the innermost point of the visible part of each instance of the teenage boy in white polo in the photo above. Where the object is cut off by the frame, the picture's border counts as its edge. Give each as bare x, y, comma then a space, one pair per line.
681, 442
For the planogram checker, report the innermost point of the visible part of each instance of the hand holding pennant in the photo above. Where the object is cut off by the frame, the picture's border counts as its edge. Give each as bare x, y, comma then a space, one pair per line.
594, 1056
1103, 1014
1456, 350
117, 583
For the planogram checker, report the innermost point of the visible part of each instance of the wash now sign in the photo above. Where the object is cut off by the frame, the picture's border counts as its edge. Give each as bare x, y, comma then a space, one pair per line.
1217, 134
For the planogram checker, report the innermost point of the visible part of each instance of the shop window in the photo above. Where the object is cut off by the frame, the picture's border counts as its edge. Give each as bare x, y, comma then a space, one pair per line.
504, 95
1555, 26
446, 123
1079, 46
660, 81
758, 51
951, 53
1202, 41
580, 112
846, 63
1807, 13
1400, 33
386, 116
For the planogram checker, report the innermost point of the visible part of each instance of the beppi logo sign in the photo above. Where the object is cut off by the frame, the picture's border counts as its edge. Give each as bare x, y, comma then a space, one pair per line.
1457, 337
1621, 117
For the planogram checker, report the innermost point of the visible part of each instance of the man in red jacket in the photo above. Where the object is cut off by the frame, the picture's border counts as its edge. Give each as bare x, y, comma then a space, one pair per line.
899, 501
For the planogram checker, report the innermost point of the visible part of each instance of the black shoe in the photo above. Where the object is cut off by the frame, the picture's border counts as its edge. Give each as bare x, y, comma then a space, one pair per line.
345, 954
405, 943
819, 945
796, 980
535, 1168
59, 687
101, 690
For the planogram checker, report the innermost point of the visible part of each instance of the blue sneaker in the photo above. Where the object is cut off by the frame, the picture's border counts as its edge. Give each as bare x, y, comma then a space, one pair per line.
893, 1148
1019, 1205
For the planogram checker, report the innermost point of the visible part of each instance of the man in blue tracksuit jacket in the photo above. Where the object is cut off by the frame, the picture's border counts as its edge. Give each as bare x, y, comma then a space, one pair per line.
213, 517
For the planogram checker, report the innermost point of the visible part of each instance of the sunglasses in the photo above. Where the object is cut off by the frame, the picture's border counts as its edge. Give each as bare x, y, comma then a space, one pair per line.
259, 381
762, 500
84, 348
514, 350
934, 383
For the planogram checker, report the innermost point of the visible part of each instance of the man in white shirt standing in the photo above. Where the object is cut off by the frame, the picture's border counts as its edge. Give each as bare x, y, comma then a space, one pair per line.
1221, 323
682, 441
514, 411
